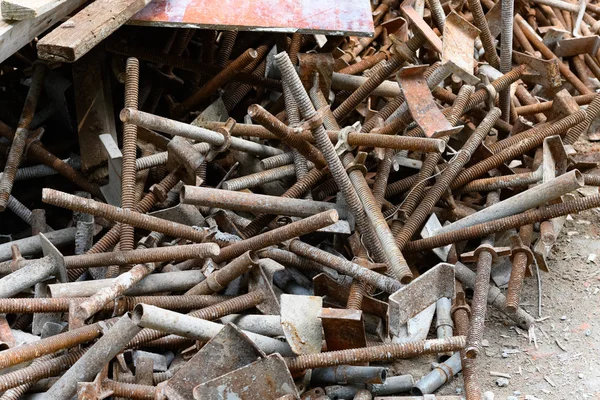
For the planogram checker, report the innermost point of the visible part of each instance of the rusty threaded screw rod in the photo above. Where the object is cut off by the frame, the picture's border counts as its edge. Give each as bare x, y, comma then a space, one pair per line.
17, 391
287, 134
124, 303
486, 36
133, 390
112, 213
302, 186
482, 287
526, 144
382, 353
111, 238
216, 82
124, 282
502, 182
381, 282
519, 265
323, 143
275, 236
26, 352
460, 313
36, 151
39, 369
387, 67
435, 193
19, 141
140, 256
262, 177
128, 171
592, 111
220, 278
506, 49
398, 267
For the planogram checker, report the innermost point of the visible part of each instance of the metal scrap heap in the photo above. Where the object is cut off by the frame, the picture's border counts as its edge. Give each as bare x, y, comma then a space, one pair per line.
191, 213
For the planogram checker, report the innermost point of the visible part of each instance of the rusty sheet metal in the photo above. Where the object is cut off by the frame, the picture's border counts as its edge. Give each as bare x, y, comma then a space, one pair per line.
268, 378
229, 350
333, 291
421, 104
419, 24
421, 293
574, 46
334, 17
344, 329
543, 72
301, 323
458, 45
311, 63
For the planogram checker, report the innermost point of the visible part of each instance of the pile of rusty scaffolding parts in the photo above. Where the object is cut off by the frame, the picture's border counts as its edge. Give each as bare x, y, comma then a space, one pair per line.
286, 209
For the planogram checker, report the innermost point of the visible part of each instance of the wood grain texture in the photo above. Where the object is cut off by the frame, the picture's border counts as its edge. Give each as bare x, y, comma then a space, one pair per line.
26, 9
16, 34
75, 37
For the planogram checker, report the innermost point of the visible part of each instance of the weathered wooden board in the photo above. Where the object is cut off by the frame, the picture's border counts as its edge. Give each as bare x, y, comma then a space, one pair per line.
16, 34
75, 37
26, 9
332, 17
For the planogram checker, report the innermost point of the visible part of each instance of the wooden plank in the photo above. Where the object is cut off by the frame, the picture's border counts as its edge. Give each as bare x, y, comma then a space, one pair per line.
86, 29
16, 34
26, 9
332, 17
93, 105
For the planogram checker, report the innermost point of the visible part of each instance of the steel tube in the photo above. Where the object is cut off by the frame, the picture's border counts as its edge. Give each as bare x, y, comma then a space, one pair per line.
35, 271
393, 385
173, 127
348, 374
523, 201
255, 203
32, 245
93, 361
220, 278
443, 322
267, 325
443, 373
352, 82
143, 255
164, 282
160, 319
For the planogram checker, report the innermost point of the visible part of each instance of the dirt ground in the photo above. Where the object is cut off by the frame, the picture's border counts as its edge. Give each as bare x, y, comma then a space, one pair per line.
565, 364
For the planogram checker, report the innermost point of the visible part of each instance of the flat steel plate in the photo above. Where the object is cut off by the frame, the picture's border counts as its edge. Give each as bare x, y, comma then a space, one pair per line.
333, 17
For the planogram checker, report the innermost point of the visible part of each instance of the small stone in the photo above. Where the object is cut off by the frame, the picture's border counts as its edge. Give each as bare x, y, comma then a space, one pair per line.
588, 332
591, 257
485, 343
458, 390
502, 382
572, 233
512, 398
488, 395
580, 376
563, 318
517, 393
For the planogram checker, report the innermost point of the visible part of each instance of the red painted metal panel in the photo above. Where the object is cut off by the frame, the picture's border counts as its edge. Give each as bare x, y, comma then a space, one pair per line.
341, 17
